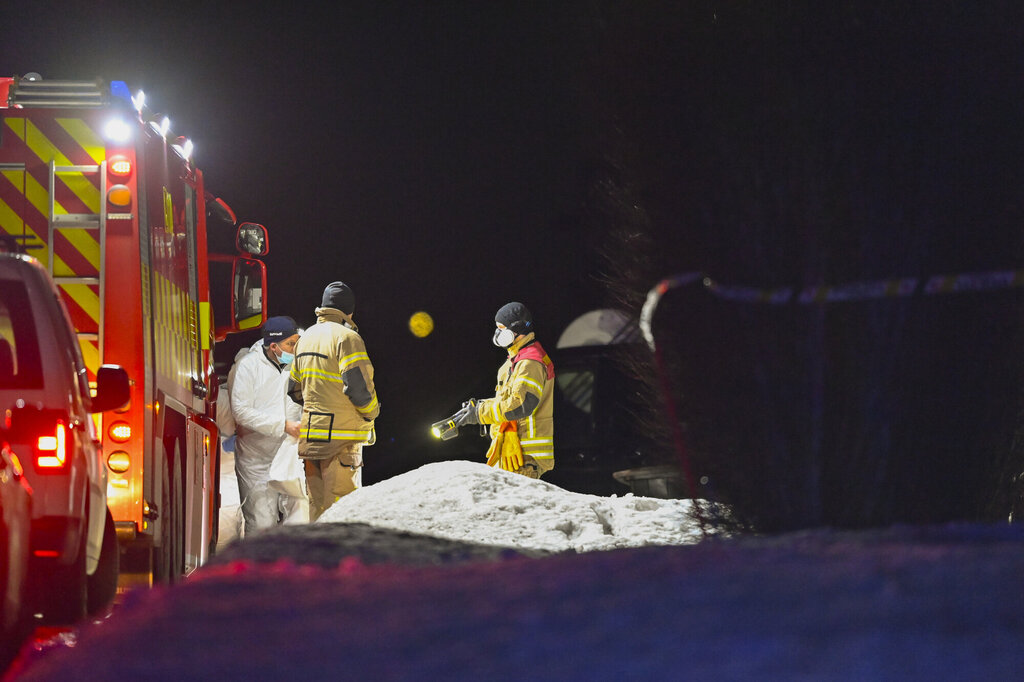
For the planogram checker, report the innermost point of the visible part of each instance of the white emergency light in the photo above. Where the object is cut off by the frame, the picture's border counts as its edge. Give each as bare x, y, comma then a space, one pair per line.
160, 123
183, 146
139, 101
117, 130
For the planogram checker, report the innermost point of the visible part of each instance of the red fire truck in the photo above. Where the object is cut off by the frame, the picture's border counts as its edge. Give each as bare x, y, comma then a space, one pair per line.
109, 200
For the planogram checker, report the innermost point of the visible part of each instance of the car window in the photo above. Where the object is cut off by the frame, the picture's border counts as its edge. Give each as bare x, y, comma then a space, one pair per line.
20, 366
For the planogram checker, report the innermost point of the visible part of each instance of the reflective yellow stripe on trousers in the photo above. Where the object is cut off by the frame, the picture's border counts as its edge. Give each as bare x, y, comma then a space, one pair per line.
327, 436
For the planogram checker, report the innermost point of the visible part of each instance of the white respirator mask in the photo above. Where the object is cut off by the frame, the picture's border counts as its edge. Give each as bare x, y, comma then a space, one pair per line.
503, 337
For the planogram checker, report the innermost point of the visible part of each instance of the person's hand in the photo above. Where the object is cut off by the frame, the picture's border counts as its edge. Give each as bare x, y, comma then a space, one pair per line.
292, 428
468, 415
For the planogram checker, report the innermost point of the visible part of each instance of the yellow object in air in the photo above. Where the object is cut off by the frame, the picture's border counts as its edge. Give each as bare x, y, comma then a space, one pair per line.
421, 324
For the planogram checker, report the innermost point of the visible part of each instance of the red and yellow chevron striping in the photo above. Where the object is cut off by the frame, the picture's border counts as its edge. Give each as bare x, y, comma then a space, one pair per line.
26, 209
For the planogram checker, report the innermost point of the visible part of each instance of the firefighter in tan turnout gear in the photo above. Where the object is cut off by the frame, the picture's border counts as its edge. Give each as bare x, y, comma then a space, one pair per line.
332, 378
520, 413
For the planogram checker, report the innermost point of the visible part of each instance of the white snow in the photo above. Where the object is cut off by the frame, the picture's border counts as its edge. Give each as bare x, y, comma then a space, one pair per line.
473, 502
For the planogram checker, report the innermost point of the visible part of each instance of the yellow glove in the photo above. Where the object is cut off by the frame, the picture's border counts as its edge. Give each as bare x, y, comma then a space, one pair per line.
505, 448
511, 452
494, 452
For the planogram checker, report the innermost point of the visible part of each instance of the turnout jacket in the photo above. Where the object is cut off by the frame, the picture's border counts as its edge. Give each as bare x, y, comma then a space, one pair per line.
524, 394
332, 378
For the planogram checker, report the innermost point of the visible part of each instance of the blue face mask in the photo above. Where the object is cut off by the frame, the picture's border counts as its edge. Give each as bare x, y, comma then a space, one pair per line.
286, 358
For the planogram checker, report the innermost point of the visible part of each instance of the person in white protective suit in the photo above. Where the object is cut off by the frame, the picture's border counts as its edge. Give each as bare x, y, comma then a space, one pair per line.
288, 475
261, 424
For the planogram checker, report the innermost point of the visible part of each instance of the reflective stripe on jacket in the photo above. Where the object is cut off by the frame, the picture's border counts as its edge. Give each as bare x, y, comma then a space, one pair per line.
333, 379
529, 376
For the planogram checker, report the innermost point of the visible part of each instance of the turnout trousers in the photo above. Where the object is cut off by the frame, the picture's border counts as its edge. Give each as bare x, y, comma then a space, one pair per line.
328, 480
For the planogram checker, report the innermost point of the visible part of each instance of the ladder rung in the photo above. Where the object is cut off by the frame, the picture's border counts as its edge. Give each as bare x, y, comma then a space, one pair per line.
76, 169
42, 101
88, 336
57, 84
86, 221
63, 279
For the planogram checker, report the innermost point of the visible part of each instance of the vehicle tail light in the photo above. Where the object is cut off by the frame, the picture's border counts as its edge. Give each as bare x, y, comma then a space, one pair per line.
120, 432
51, 451
120, 166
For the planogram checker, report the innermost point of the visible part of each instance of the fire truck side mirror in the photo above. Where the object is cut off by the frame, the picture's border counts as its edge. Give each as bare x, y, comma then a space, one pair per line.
252, 238
248, 302
113, 389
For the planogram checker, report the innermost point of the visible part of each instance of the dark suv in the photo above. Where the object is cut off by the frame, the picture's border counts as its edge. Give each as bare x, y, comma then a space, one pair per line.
48, 403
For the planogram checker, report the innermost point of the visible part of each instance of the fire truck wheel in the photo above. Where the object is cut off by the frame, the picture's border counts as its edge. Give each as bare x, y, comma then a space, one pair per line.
167, 557
103, 583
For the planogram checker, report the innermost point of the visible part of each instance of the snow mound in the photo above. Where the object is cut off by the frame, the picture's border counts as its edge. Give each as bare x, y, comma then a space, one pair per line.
472, 502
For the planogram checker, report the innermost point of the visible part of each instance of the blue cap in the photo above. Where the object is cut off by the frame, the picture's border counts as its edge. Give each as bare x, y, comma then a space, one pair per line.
277, 329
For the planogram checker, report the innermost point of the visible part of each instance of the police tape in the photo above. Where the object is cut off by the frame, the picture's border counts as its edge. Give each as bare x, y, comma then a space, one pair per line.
854, 291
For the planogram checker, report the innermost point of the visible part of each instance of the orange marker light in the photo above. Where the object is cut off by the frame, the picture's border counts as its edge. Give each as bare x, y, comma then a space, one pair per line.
119, 195
119, 461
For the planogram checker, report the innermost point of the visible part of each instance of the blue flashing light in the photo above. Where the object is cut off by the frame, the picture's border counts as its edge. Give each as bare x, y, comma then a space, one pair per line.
119, 89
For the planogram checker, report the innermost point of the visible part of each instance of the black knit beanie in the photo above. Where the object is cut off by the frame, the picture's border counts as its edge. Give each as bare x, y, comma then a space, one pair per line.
338, 295
516, 317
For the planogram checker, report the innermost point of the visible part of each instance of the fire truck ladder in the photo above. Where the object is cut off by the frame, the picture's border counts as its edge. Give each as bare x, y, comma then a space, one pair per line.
32, 91
82, 221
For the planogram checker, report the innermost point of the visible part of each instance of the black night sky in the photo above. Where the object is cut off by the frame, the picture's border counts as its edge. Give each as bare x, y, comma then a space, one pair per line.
452, 156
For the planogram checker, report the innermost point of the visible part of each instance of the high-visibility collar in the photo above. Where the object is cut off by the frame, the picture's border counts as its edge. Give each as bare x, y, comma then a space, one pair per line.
532, 350
516, 346
335, 315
